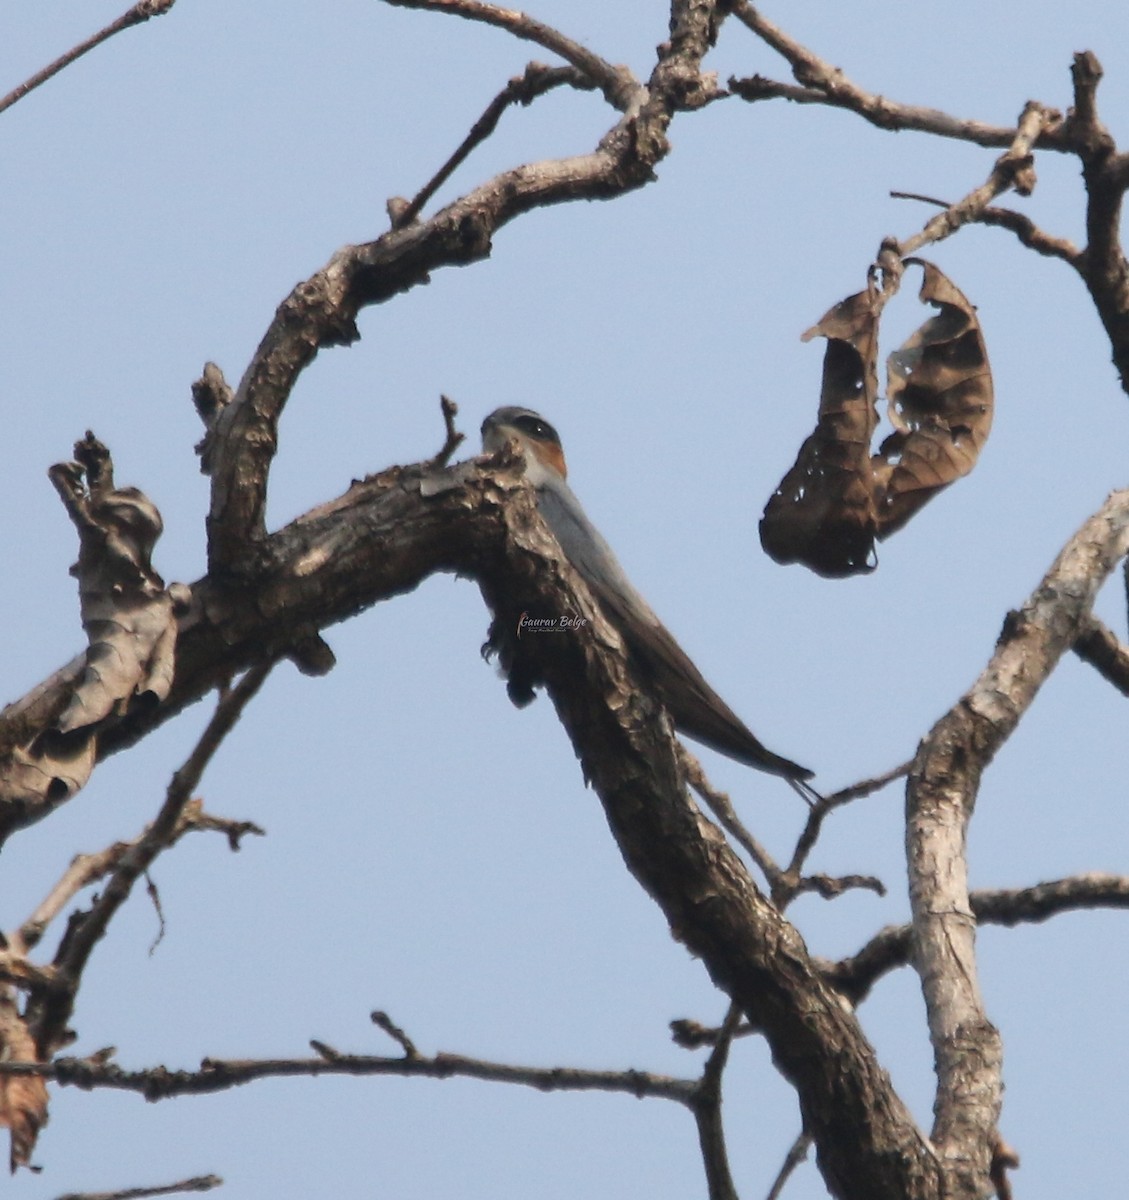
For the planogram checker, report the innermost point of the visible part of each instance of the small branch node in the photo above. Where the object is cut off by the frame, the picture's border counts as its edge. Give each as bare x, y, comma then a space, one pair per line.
384, 1022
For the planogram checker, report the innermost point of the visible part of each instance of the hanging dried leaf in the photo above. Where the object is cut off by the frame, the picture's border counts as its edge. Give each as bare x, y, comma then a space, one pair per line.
837, 498
940, 404
23, 1098
823, 512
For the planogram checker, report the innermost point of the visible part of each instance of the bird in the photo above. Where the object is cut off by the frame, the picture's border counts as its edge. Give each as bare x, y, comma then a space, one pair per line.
694, 707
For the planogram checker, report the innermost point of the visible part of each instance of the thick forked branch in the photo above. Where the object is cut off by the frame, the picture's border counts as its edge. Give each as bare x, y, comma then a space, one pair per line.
941, 795
390, 532
868, 1144
322, 311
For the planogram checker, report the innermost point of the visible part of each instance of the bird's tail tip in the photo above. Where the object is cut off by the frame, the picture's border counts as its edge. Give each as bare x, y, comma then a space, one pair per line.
799, 784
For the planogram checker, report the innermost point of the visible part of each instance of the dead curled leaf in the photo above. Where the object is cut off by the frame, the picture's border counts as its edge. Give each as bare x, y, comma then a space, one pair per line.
23, 1098
823, 513
130, 622
838, 498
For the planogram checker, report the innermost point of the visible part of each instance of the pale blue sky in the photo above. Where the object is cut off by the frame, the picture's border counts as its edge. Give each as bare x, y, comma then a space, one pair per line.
431, 850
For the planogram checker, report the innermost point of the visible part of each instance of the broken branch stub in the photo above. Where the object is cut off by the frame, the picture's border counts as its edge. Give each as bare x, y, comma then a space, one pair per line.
838, 498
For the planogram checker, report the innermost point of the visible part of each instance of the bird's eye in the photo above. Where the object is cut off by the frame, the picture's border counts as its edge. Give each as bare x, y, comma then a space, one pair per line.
535, 427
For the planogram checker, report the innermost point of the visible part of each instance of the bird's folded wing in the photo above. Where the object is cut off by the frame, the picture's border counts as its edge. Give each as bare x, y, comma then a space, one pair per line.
695, 708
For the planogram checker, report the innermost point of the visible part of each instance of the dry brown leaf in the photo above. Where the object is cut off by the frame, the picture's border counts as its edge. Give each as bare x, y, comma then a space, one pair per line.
940, 404
126, 611
838, 498
823, 512
23, 1098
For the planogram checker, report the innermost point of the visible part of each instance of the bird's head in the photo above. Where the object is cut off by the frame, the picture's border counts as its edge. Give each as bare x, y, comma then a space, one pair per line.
537, 441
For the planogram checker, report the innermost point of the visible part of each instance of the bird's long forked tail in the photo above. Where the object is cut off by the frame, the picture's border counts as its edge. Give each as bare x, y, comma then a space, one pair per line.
806, 792
700, 713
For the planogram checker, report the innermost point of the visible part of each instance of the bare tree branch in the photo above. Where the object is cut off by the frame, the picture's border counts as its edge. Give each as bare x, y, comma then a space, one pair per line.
704, 889
1031, 236
140, 12
198, 1183
790, 882
453, 440
722, 807
218, 1075
941, 795
321, 312
1105, 171
707, 1113
48, 1014
266, 596
522, 89
890, 948
1099, 646
797, 1152
821, 83
1105, 176
86, 869
619, 86
1013, 169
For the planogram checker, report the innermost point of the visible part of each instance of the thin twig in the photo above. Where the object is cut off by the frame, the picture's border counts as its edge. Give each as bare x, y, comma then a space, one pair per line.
795, 1156
453, 440
87, 869
154, 894
84, 870
707, 1112
618, 85
218, 1075
821, 83
1099, 646
1029, 234
522, 89
198, 1183
831, 887
722, 807
383, 1021
1013, 169
85, 930
791, 882
140, 12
